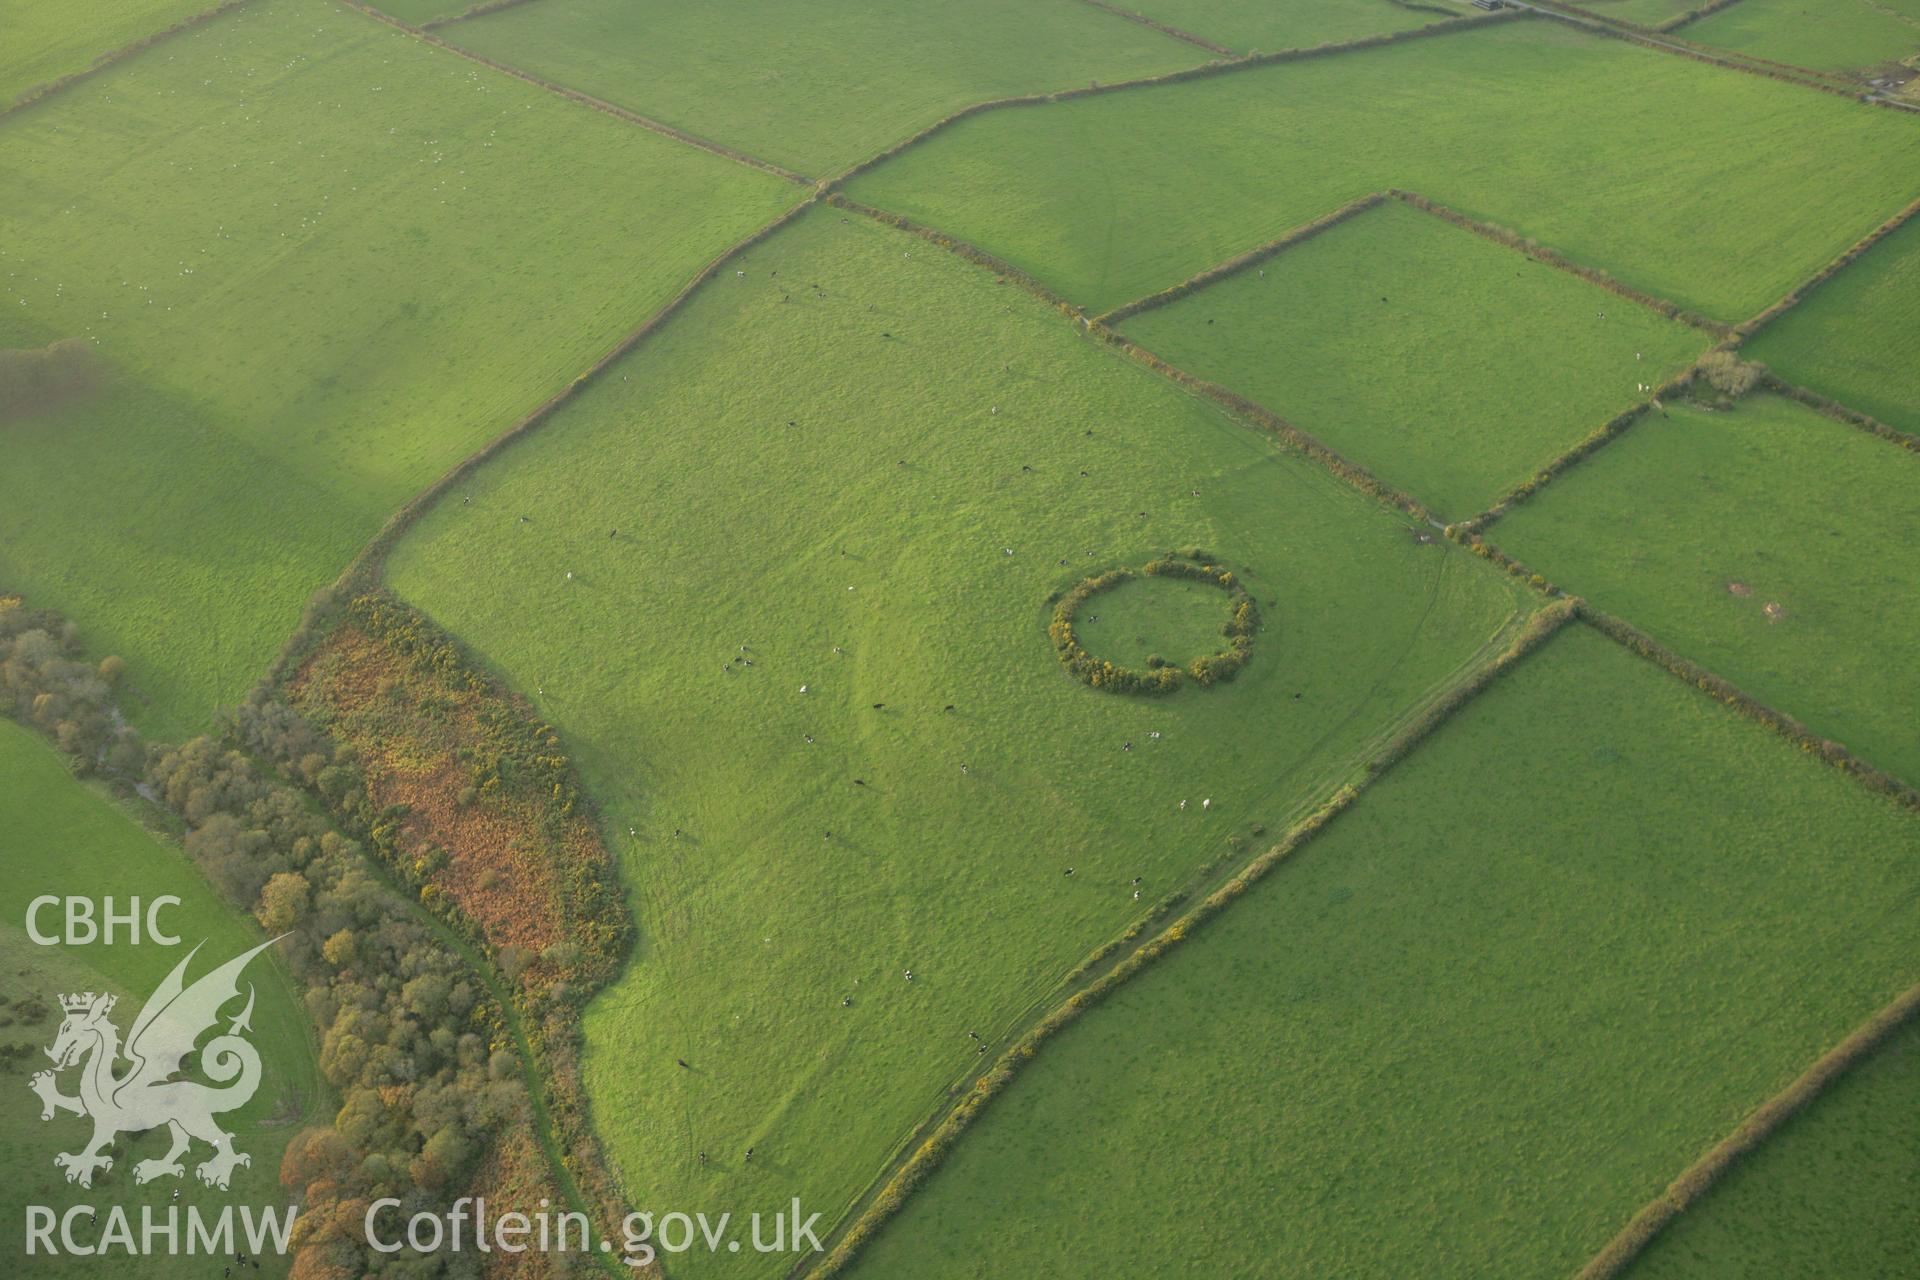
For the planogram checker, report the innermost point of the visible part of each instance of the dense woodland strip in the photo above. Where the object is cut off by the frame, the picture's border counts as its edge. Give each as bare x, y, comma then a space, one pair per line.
412, 1039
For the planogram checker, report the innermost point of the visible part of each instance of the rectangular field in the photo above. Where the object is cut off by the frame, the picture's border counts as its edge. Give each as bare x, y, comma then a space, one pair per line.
783, 579
817, 85
1646, 13
1469, 1029
60, 837
1769, 544
1836, 1192
43, 42
1857, 338
1716, 189
1840, 35
319, 262
1448, 365
1248, 25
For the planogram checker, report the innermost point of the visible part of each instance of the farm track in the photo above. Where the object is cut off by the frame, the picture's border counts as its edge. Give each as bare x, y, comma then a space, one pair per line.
1700, 1177
1104, 968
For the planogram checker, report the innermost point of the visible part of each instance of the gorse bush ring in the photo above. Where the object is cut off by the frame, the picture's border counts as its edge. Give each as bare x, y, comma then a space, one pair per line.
1160, 676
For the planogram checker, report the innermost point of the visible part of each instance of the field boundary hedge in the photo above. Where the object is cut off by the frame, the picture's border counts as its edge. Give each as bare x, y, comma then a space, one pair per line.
1679, 20
1163, 28
1235, 265
367, 568
1602, 435
1701, 1176
1798, 294
1221, 67
946, 1129
1293, 437
1832, 408
584, 99
40, 92
1505, 236
1552, 257
1650, 37
1723, 690
476, 11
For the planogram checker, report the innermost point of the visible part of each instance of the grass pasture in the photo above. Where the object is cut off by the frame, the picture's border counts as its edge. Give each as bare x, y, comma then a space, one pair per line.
1769, 544
421, 11
817, 85
58, 836
869, 490
1176, 618
1448, 365
1646, 13
1840, 35
1250, 25
1715, 189
321, 262
1467, 1031
44, 42
1856, 339
1834, 1193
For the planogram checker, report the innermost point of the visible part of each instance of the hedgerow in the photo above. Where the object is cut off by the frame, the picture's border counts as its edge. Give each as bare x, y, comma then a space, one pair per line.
1840, 412
1554, 258
1208, 669
1235, 265
1592, 442
1157, 25
1725, 691
926, 1157
1220, 67
1847, 257
574, 95
41, 92
1699, 1177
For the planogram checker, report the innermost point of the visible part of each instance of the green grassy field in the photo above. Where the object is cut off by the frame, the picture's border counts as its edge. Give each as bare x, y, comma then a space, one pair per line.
323, 261
1176, 618
1837, 36
1770, 545
1857, 339
46, 41
1716, 189
1644, 12
817, 85
60, 837
1469, 1030
1248, 25
1834, 1193
891, 546
419, 11
1450, 366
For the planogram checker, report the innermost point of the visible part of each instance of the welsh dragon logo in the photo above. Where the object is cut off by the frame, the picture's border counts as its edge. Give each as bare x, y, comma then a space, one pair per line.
146, 1094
